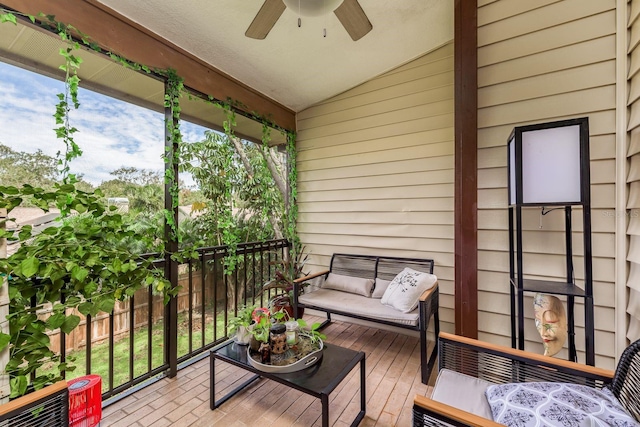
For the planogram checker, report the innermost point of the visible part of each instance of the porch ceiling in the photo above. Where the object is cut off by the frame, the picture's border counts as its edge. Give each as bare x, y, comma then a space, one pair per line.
292, 69
295, 66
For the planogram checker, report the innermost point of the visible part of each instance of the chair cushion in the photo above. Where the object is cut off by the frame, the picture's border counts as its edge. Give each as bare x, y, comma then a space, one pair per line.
555, 404
463, 392
405, 289
354, 285
358, 305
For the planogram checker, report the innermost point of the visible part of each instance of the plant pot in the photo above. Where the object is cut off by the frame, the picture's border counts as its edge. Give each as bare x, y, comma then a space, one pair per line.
254, 344
283, 302
243, 335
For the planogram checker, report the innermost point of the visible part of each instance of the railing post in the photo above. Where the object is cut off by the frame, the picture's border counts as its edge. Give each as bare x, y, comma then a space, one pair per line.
171, 267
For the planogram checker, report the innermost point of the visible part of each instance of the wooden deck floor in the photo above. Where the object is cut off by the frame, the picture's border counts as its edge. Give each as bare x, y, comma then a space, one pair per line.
393, 379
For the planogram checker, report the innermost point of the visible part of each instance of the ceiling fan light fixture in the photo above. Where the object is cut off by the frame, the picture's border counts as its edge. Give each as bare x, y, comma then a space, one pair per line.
313, 7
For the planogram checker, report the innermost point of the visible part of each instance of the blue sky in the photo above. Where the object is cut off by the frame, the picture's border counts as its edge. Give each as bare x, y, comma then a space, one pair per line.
111, 133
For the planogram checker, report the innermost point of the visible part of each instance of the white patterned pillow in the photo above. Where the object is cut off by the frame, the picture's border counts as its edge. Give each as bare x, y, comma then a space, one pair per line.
405, 289
555, 404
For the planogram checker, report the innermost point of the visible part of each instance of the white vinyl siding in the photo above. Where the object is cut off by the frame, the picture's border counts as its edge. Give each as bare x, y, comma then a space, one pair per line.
633, 178
375, 170
541, 61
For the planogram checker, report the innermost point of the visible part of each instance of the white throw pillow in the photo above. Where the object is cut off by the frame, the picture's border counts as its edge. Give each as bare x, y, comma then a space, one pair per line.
405, 289
380, 288
354, 285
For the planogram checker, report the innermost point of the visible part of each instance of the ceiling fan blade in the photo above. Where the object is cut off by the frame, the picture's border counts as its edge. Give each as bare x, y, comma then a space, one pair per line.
353, 19
265, 19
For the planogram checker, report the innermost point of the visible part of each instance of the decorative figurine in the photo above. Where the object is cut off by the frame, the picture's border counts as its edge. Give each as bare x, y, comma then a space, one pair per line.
551, 322
265, 353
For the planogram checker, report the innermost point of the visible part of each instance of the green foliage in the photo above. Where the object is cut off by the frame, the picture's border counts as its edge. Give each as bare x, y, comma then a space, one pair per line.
313, 332
260, 330
17, 167
242, 318
8, 17
212, 166
287, 270
88, 261
66, 101
292, 206
193, 198
174, 89
84, 262
142, 177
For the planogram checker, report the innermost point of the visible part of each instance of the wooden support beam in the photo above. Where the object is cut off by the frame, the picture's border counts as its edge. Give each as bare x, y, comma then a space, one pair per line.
466, 168
124, 37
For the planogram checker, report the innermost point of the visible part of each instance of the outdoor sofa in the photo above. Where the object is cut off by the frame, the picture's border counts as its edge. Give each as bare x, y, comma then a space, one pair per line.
363, 287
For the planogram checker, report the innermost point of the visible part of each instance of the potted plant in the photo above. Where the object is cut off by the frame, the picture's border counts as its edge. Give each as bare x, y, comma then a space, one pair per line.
264, 327
241, 325
288, 269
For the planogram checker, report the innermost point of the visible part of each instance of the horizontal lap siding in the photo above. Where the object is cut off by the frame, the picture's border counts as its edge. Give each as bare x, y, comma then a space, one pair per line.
633, 178
542, 61
375, 170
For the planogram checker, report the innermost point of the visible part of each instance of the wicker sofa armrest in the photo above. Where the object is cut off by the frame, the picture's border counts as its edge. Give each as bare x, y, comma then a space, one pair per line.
427, 412
47, 406
499, 364
429, 293
303, 279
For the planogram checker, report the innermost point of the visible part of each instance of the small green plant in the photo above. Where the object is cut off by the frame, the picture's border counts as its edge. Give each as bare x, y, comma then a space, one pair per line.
261, 329
313, 332
288, 270
243, 318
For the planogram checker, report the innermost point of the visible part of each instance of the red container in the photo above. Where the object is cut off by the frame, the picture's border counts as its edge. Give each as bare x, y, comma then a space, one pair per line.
85, 401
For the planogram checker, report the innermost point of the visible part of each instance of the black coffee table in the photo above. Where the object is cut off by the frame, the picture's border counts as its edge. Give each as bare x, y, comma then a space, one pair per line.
318, 380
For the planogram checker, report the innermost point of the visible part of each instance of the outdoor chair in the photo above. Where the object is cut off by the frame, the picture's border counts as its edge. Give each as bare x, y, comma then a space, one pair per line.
469, 367
47, 407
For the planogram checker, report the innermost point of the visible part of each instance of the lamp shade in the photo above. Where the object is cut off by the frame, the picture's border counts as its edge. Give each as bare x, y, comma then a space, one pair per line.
313, 7
549, 163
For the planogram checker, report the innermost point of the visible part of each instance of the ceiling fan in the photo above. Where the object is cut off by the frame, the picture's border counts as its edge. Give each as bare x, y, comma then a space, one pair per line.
349, 12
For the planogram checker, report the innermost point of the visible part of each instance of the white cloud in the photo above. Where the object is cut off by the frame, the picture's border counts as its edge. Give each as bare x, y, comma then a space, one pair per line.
111, 133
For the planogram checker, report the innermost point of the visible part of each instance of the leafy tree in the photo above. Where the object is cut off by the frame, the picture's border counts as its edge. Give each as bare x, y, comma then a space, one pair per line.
193, 198
242, 200
143, 187
138, 176
237, 185
36, 169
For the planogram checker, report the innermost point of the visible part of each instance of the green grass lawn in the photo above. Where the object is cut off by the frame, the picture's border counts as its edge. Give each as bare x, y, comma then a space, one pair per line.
100, 352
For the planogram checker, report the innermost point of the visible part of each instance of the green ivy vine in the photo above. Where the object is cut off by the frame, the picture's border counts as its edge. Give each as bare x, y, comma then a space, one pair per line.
230, 236
80, 266
292, 208
174, 89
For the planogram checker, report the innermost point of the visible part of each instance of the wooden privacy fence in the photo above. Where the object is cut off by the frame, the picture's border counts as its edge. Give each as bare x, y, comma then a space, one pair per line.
77, 339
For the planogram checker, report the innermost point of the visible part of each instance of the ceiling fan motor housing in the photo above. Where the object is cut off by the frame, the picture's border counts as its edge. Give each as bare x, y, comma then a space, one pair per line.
313, 7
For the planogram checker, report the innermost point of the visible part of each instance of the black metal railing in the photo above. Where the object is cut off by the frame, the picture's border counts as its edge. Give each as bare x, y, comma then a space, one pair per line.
131, 346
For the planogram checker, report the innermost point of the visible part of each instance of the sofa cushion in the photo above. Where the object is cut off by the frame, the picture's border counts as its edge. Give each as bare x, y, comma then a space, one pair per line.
358, 305
555, 404
380, 287
405, 289
354, 285
463, 392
